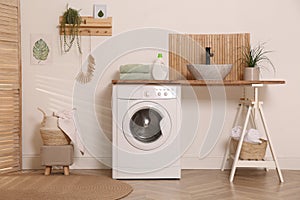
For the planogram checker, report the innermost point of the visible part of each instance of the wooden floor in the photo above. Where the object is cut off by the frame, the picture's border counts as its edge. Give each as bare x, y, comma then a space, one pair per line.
214, 184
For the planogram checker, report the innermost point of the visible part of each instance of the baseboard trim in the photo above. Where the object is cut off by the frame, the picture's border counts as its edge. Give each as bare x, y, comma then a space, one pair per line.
187, 162
193, 162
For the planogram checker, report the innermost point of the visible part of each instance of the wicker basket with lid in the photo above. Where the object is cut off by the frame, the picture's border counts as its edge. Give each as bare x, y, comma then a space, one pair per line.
50, 132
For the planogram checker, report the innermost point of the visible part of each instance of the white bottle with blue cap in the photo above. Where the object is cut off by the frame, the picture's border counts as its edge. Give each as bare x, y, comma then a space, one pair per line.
159, 70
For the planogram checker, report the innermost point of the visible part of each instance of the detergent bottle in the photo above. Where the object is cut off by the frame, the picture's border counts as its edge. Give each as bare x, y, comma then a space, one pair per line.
159, 70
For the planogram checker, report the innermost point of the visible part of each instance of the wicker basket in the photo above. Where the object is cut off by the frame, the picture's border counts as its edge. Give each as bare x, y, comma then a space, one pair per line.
251, 151
51, 133
54, 137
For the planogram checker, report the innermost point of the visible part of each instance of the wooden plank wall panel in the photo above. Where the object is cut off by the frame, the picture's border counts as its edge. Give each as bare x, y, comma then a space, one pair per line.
13, 3
190, 48
10, 87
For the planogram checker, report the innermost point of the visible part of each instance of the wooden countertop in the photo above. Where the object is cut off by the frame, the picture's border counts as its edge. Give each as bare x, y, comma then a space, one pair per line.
200, 82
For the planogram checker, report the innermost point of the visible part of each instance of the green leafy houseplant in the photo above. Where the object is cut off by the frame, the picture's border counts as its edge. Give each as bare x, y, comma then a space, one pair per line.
70, 23
254, 59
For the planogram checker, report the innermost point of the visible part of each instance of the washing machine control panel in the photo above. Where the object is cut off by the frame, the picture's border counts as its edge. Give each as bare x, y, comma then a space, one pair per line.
148, 92
160, 92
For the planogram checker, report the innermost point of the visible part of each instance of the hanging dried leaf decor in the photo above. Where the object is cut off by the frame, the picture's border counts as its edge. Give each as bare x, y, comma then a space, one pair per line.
40, 50
85, 77
70, 23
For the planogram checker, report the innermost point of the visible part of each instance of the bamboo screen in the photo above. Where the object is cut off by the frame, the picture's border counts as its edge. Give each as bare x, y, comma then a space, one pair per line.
190, 48
10, 87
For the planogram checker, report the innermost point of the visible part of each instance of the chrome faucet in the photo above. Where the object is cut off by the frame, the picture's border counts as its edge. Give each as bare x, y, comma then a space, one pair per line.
208, 55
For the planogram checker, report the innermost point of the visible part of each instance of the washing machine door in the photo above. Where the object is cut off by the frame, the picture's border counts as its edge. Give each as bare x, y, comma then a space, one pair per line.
146, 125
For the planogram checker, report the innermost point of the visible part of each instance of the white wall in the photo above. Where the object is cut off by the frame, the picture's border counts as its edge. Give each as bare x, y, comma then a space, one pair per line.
50, 86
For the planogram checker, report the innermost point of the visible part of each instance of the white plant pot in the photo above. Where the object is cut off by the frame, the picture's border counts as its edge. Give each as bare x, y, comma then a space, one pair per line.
251, 73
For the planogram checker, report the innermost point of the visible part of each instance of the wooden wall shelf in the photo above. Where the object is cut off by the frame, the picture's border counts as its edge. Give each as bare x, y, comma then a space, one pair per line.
92, 27
200, 82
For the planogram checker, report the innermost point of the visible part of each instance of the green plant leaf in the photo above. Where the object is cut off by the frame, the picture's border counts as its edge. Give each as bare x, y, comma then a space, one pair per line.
257, 57
100, 13
40, 50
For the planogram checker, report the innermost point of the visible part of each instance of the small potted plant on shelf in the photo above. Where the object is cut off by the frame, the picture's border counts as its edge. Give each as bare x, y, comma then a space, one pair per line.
254, 60
70, 23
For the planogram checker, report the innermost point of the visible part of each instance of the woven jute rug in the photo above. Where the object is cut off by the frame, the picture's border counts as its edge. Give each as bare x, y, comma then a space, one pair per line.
83, 187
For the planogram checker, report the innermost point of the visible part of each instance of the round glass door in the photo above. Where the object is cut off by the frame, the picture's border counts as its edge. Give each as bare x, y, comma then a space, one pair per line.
146, 125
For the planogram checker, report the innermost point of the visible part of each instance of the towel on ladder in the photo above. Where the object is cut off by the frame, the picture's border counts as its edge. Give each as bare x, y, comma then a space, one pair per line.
252, 135
66, 121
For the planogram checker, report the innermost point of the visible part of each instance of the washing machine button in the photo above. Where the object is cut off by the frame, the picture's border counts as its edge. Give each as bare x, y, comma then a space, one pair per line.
166, 93
159, 93
147, 94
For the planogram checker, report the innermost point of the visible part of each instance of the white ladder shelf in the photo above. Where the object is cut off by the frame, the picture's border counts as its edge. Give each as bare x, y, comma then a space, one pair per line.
253, 107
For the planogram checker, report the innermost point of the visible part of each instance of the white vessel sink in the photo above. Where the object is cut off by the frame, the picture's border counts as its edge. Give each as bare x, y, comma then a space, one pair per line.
209, 72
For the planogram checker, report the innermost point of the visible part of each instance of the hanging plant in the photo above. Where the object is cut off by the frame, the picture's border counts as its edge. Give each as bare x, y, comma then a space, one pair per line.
70, 23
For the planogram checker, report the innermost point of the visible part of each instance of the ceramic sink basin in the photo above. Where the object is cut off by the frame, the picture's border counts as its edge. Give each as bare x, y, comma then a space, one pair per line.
209, 72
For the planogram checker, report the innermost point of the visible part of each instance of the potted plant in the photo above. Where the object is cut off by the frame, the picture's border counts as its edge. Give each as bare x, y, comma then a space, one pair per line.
254, 60
70, 23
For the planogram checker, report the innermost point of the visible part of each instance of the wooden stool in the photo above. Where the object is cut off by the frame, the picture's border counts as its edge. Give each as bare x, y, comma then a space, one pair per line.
57, 156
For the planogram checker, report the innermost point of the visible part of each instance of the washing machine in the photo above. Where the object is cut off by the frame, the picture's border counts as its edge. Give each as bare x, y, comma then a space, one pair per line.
146, 139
